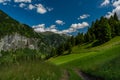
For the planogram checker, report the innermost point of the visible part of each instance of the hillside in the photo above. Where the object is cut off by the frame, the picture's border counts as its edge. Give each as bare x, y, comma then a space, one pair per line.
100, 61
15, 35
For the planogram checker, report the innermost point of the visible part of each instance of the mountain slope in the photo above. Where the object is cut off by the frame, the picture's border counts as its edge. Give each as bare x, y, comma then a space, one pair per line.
101, 61
15, 35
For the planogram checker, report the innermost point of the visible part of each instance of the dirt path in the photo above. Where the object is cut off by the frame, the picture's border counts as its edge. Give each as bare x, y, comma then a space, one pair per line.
65, 75
86, 76
81, 74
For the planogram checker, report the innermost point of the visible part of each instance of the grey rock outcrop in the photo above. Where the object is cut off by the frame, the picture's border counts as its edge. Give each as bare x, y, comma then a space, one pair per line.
17, 41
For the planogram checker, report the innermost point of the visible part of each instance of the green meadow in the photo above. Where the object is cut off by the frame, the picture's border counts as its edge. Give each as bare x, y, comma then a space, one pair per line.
101, 61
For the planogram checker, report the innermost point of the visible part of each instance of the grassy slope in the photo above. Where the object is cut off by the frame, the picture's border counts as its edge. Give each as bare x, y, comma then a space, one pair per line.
101, 61
33, 70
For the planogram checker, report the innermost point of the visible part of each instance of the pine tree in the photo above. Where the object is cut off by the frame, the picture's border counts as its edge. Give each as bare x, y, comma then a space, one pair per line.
104, 33
115, 17
60, 50
72, 40
117, 29
69, 48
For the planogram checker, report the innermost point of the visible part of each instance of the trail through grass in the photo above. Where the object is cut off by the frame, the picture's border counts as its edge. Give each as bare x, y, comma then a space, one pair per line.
101, 61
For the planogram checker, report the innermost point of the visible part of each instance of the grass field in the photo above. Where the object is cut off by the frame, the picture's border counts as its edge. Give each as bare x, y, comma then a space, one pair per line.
102, 61
33, 70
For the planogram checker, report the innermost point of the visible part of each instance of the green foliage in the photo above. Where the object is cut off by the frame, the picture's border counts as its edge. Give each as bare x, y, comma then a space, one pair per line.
60, 49
69, 48
79, 38
10, 26
72, 40
19, 55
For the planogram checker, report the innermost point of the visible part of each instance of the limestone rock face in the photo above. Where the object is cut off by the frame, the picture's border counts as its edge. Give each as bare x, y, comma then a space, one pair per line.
17, 41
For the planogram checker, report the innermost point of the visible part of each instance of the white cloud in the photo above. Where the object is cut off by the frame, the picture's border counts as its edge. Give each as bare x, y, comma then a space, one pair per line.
106, 2
73, 28
39, 28
1, 1
52, 26
25, 1
59, 22
116, 9
41, 9
31, 6
22, 5
4, 1
69, 30
79, 25
84, 16
116, 3
27, 4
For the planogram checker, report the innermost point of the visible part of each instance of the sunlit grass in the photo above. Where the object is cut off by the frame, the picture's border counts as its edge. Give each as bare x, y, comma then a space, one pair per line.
103, 60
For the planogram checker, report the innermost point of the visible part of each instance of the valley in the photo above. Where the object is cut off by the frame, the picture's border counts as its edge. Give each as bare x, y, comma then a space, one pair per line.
29, 55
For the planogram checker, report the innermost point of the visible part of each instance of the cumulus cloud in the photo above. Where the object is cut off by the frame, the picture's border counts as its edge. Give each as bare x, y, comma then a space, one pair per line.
27, 4
59, 22
106, 2
52, 26
69, 30
84, 16
1, 1
41, 9
41, 28
22, 5
30, 7
79, 25
4, 1
116, 5
73, 28
25, 1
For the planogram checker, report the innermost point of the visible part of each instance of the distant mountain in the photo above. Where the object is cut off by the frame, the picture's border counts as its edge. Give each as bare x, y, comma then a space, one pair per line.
15, 35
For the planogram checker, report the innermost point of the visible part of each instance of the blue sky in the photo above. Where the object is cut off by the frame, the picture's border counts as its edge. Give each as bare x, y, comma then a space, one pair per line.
60, 16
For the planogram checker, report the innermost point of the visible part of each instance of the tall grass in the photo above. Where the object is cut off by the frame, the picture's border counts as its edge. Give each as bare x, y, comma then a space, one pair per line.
30, 70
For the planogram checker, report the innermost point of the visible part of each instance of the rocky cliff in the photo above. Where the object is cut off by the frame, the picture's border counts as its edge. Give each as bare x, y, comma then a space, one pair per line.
16, 41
